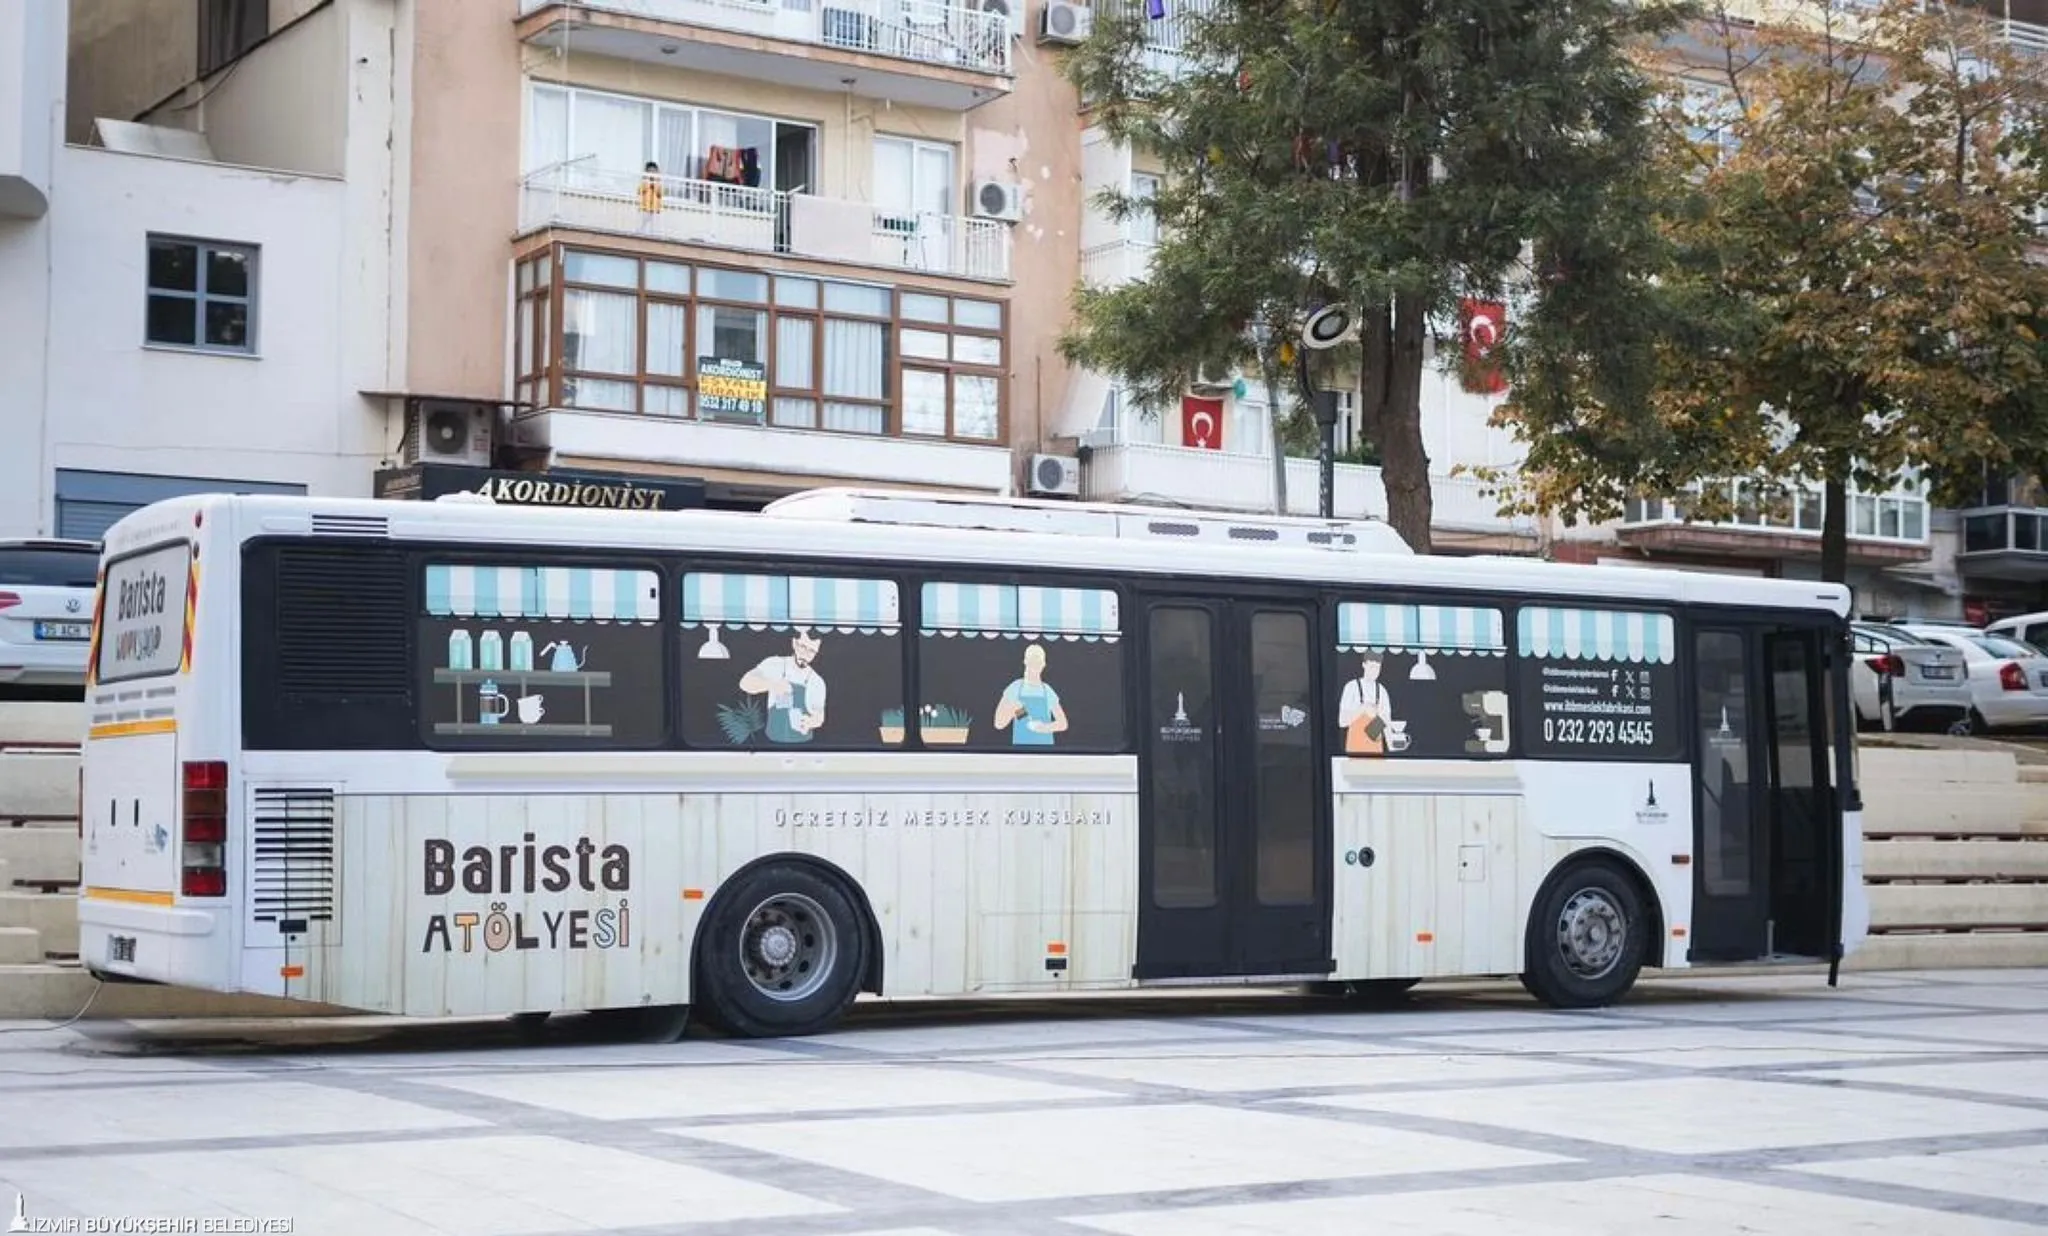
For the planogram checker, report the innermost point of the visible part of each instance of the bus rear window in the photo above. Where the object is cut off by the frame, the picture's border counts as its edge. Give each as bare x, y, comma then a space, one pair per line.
38, 567
142, 614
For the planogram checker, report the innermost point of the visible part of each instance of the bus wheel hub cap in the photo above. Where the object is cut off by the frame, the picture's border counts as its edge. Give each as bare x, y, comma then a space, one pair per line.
1589, 933
777, 946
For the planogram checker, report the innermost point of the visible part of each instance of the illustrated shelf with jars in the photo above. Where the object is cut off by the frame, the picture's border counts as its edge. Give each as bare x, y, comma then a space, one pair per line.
504, 686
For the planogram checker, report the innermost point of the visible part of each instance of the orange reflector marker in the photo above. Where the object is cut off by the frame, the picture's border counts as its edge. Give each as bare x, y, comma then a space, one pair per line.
693, 894
292, 971
1056, 949
1425, 937
1678, 933
1681, 860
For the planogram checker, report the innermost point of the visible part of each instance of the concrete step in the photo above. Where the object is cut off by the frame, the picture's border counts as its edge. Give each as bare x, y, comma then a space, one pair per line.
1952, 860
2013, 809
39, 784
38, 854
1951, 952
1958, 905
1947, 766
59, 991
41, 722
54, 916
20, 946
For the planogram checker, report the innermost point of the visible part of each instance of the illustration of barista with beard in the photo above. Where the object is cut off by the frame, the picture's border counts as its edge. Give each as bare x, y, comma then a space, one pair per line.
795, 691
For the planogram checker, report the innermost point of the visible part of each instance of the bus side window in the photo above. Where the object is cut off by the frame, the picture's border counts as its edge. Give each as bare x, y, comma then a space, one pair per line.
1020, 667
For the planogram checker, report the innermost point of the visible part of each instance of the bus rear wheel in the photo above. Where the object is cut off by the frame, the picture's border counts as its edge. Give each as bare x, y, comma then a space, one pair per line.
782, 955
1586, 939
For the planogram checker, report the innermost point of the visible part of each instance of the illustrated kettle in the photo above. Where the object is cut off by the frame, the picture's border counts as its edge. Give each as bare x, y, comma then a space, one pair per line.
564, 659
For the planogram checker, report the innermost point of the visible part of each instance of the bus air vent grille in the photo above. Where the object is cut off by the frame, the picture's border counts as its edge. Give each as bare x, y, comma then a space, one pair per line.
341, 614
291, 868
351, 525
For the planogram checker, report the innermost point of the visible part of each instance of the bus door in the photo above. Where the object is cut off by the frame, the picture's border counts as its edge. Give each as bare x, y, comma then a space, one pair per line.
1234, 829
1766, 819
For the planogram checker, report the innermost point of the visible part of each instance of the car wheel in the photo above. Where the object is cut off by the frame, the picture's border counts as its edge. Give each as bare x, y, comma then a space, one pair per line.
783, 954
1586, 939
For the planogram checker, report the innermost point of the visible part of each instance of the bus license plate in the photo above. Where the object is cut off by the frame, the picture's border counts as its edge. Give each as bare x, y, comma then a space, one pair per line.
121, 950
64, 630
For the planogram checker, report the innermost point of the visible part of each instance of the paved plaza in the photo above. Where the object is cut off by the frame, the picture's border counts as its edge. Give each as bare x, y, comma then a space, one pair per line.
1913, 1104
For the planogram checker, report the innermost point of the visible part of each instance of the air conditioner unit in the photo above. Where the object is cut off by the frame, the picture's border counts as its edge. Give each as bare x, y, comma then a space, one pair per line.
1055, 476
996, 199
447, 431
1010, 10
1212, 378
1064, 24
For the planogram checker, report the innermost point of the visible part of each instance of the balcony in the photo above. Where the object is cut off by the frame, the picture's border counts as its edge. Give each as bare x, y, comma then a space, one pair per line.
2005, 542
1189, 476
923, 53
1888, 529
1168, 39
703, 212
779, 380
1116, 263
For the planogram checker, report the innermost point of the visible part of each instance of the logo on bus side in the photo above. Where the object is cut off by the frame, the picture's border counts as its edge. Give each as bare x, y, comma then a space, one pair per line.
521, 870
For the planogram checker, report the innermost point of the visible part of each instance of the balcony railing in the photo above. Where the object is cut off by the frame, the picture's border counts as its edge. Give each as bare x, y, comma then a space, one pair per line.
1227, 480
963, 36
1116, 263
1894, 517
1168, 39
764, 221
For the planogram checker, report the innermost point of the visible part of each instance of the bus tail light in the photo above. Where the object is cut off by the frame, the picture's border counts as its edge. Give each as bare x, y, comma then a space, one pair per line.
203, 866
2012, 677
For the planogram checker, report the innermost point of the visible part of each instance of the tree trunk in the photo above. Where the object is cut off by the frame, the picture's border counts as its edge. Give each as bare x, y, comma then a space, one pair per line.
1404, 462
1834, 530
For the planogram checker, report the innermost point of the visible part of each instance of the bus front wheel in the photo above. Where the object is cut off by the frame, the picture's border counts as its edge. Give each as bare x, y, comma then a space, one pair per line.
1586, 938
782, 955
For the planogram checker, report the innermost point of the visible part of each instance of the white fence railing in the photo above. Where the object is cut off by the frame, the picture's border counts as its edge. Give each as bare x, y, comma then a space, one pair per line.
1141, 471
1116, 263
965, 36
764, 221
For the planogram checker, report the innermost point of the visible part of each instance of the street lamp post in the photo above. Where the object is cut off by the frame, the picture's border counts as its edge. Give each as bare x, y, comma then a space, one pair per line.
1325, 329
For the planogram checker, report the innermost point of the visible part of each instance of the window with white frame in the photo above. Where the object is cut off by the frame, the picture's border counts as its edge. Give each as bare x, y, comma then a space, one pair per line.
596, 139
1143, 225
913, 178
201, 295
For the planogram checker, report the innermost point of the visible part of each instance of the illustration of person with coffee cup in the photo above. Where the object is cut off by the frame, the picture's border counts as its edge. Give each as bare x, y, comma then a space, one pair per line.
1365, 711
796, 693
1031, 702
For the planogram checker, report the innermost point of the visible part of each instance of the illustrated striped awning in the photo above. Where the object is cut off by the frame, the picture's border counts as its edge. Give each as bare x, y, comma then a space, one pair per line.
816, 602
993, 610
582, 594
1421, 628
1597, 635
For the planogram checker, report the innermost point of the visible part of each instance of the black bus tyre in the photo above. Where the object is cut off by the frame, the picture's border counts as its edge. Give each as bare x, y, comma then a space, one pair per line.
1586, 941
782, 955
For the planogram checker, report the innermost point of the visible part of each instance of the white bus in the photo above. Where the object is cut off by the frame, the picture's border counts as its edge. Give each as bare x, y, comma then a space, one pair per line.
456, 758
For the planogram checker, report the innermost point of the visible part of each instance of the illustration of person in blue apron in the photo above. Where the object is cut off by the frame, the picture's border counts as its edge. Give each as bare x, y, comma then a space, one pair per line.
1031, 702
796, 694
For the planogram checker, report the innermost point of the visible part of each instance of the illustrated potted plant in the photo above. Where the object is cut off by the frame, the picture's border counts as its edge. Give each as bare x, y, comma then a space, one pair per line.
892, 726
944, 724
742, 721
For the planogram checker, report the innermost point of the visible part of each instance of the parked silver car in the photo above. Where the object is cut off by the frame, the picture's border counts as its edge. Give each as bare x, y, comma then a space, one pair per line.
2008, 679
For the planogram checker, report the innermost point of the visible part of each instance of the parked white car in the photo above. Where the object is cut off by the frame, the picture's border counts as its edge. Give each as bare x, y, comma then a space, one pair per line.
2008, 679
1902, 681
46, 590
2028, 629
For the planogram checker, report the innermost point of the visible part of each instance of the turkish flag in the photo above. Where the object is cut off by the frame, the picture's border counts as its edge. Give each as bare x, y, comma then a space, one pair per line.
1201, 423
1482, 322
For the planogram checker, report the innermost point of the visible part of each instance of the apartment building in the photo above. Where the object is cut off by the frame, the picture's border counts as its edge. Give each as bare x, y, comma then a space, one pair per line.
170, 324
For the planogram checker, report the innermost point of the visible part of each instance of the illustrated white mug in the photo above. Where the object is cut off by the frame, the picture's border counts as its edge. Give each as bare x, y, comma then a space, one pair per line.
530, 710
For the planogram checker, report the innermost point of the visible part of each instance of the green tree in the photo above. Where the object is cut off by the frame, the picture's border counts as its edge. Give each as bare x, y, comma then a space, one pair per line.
1847, 218
1391, 156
